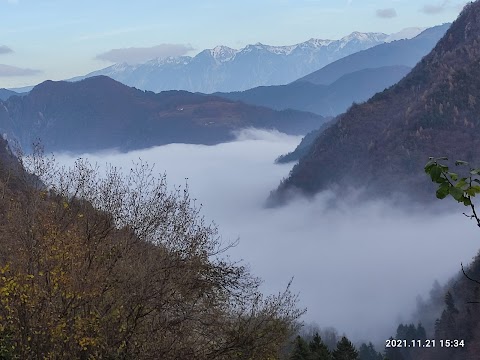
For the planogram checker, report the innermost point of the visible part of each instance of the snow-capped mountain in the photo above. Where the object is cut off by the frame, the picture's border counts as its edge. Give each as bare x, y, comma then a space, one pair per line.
222, 54
226, 69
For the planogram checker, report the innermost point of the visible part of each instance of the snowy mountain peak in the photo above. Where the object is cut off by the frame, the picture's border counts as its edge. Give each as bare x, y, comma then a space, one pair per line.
277, 50
222, 53
316, 43
365, 37
226, 69
170, 60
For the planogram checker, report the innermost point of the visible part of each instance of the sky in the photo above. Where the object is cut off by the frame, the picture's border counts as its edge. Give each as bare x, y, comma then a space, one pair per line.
357, 266
60, 39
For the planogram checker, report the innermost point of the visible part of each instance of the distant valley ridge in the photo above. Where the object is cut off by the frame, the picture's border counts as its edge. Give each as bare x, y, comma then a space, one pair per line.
100, 113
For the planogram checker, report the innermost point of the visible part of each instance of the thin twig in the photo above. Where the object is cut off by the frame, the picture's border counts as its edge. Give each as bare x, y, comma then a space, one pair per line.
468, 277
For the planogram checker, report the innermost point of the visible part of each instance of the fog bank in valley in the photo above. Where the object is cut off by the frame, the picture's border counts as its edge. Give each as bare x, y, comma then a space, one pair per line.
357, 266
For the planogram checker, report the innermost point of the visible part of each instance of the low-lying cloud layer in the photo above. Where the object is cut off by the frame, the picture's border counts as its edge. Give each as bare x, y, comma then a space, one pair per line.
134, 55
357, 266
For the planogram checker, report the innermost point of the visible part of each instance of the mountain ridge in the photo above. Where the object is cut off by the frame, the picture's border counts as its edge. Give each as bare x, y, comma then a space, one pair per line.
383, 144
100, 113
401, 52
325, 100
226, 69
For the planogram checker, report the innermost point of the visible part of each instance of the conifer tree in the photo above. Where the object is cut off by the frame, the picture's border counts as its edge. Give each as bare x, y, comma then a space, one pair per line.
393, 353
368, 352
300, 350
345, 350
421, 332
318, 349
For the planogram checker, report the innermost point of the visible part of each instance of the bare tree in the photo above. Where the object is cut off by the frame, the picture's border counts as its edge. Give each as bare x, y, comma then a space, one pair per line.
119, 267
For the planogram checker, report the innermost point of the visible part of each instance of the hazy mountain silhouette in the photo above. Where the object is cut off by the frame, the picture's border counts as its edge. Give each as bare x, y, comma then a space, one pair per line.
402, 52
325, 100
100, 113
226, 69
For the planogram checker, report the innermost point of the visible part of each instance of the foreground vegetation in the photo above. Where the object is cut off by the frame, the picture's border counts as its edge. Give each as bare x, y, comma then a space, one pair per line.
119, 267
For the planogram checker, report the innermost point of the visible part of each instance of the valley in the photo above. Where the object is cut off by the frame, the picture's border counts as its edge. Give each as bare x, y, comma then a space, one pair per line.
164, 196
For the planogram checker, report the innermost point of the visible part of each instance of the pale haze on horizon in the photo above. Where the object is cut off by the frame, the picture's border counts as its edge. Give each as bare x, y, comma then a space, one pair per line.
60, 39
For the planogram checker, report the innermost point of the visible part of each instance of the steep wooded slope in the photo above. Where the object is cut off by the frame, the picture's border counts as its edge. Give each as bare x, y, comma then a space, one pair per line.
384, 143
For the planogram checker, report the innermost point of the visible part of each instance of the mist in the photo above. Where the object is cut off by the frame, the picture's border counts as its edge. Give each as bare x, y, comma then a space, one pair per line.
357, 266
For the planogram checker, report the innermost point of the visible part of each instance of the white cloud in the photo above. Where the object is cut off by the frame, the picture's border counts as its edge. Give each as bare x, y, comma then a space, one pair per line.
5, 50
433, 9
386, 13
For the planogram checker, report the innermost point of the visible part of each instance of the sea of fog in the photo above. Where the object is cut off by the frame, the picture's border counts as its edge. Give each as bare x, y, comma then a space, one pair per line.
356, 266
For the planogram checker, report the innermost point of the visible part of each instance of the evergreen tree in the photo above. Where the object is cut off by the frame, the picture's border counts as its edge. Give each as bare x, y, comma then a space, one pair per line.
450, 303
368, 352
393, 353
318, 349
300, 350
421, 332
345, 350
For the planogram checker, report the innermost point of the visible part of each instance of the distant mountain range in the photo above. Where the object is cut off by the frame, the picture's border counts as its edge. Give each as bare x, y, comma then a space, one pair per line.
406, 52
100, 113
354, 78
383, 144
327, 100
225, 69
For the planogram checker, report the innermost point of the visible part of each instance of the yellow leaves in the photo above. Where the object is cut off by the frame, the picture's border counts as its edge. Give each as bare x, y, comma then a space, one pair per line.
86, 342
5, 269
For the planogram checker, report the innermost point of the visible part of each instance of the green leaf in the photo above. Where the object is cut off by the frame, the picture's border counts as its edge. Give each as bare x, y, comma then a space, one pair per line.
443, 191
470, 191
475, 171
453, 176
462, 183
461, 162
435, 173
467, 201
444, 168
429, 166
456, 193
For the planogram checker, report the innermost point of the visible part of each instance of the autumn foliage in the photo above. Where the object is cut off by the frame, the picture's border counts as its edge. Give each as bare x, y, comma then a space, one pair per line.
119, 267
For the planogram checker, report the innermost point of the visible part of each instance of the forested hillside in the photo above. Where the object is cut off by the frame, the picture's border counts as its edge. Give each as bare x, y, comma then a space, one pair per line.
100, 113
383, 144
121, 268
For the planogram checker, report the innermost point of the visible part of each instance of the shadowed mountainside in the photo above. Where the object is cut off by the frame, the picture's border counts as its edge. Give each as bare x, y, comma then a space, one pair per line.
100, 113
383, 144
402, 52
326, 100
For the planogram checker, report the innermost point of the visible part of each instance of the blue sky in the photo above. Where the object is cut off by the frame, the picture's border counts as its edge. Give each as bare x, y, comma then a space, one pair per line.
58, 39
